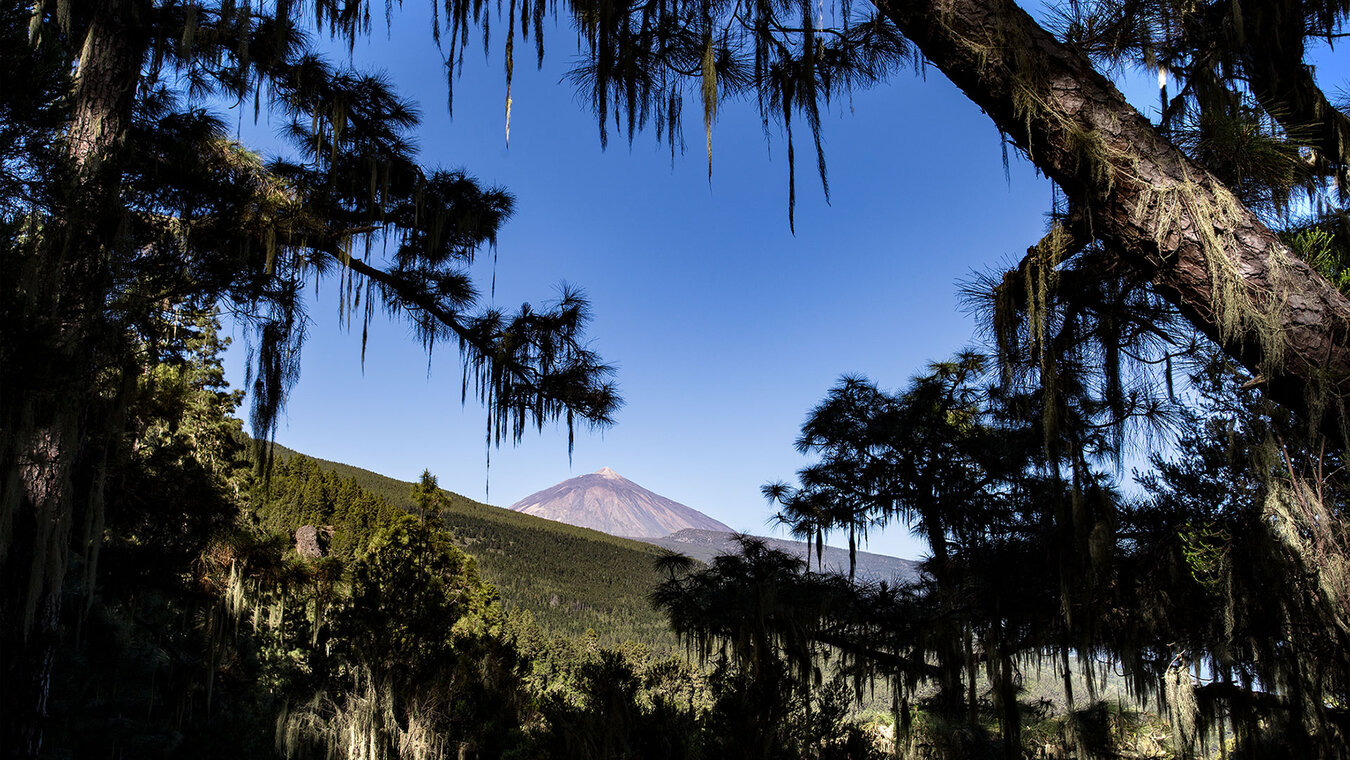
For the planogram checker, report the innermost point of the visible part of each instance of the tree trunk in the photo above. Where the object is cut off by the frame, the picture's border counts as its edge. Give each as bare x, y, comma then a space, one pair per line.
60, 351
1159, 211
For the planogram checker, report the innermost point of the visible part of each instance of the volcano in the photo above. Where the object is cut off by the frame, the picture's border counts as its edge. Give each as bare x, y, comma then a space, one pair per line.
610, 503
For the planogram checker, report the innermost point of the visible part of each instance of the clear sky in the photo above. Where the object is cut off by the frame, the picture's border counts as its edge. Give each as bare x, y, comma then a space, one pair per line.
726, 328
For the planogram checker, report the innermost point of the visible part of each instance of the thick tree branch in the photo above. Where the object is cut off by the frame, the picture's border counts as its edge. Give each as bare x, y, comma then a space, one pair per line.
1292, 96
1205, 252
1269, 38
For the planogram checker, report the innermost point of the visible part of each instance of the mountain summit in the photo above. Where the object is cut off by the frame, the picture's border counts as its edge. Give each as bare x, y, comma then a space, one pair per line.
610, 503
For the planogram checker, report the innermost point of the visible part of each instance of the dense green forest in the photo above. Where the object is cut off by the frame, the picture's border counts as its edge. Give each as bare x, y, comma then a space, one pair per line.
570, 579
171, 589
218, 626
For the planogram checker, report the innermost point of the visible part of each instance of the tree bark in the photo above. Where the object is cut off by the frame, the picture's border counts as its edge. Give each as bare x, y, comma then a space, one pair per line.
60, 350
1162, 213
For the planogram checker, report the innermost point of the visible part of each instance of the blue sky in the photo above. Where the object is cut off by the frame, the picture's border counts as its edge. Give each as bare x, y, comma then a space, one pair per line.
726, 328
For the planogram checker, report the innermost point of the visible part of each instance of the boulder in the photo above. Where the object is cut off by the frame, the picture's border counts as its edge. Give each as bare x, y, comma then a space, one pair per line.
311, 541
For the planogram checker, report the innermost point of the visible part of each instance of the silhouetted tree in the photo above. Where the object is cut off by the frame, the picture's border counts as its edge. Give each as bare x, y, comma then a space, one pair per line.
126, 198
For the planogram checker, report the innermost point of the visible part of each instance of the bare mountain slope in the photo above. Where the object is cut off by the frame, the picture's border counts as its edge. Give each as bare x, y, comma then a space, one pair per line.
608, 502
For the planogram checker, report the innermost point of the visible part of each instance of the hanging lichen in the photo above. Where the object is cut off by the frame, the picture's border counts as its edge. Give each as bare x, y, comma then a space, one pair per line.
364, 723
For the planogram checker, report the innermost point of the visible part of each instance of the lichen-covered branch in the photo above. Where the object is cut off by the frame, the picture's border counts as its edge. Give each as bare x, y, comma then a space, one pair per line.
1164, 214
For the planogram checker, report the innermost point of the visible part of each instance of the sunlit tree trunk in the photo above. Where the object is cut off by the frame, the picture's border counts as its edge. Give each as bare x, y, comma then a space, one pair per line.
54, 394
1164, 214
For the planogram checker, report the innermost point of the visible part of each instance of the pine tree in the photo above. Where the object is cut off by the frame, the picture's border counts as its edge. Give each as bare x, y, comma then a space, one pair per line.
125, 199
1192, 205
428, 498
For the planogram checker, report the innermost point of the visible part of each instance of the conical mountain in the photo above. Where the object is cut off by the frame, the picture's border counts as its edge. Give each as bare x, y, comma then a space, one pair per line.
610, 503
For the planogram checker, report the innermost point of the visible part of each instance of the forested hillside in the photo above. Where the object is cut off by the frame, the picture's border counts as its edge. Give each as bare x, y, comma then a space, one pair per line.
208, 630
570, 579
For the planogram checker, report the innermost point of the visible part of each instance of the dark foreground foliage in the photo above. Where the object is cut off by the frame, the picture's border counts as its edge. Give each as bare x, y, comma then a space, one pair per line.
1217, 596
211, 632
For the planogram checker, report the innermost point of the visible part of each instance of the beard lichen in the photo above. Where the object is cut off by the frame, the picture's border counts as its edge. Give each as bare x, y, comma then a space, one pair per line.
1213, 217
366, 723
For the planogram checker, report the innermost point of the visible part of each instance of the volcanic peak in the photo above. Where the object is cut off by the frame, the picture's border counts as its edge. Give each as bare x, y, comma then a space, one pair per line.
608, 502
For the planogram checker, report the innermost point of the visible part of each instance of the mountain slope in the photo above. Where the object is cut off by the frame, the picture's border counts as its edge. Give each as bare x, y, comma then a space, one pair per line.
703, 545
570, 579
608, 502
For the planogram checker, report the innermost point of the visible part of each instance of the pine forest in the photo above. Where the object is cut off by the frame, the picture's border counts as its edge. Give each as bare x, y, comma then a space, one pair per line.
1127, 486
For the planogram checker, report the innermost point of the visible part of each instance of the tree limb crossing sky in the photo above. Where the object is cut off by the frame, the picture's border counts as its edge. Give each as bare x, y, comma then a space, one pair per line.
726, 327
